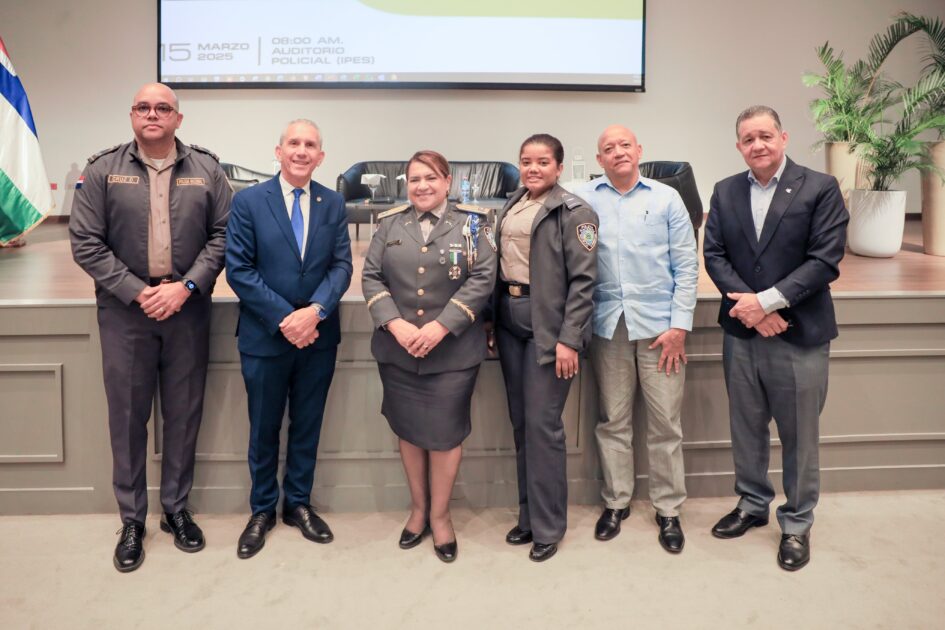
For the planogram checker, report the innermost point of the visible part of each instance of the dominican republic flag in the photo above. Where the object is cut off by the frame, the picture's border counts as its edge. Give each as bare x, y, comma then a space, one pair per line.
25, 198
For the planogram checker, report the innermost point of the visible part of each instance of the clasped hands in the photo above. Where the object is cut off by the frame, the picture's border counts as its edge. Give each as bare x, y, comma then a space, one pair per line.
749, 312
418, 342
300, 327
162, 301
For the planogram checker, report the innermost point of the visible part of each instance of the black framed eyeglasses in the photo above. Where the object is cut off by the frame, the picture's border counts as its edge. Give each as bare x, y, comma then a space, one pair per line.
161, 110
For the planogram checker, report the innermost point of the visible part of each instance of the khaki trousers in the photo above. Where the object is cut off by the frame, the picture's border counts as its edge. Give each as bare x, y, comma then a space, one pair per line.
621, 366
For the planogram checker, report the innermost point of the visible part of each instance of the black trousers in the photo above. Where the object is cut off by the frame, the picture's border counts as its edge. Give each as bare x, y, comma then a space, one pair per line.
139, 355
536, 399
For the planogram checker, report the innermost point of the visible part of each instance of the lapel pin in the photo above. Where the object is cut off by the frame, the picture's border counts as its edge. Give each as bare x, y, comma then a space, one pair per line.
787, 190
319, 199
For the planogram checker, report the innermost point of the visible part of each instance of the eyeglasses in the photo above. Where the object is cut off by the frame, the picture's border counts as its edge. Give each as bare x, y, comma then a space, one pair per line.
161, 110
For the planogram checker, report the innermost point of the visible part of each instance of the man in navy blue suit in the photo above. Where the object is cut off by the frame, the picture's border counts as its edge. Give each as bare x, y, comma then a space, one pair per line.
773, 244
288, 259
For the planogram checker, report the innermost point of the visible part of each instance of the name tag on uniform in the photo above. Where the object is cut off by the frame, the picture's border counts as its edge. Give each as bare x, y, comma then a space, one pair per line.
392, 243
191, 181
123, 179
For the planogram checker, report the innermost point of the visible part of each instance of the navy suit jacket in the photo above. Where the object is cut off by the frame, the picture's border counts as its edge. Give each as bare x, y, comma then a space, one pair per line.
799, 252
266, 271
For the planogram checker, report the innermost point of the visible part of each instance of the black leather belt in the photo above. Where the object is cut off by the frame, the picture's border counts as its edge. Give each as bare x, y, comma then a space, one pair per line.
155, 281
518, 290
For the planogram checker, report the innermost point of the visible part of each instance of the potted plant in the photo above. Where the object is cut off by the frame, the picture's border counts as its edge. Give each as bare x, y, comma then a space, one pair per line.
877, 214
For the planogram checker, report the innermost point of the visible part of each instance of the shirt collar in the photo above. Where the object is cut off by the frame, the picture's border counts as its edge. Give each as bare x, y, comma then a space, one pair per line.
603, 180
774, 178
438, 211
287, 188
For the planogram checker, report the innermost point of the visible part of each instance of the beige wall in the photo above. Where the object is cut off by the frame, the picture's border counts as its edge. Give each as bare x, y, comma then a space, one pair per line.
81, 63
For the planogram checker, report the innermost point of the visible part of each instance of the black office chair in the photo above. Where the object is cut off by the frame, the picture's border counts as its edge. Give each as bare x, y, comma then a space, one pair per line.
679, 175
240, 177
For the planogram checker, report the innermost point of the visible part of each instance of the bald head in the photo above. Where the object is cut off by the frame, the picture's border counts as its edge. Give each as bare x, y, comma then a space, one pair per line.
155, 119
158, 91
619, 153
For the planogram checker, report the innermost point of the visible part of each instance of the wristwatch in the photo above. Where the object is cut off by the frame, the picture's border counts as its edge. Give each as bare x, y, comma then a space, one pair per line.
318, 309
189, 284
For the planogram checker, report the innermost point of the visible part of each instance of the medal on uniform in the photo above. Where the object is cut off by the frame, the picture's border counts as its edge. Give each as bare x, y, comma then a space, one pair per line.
455, 272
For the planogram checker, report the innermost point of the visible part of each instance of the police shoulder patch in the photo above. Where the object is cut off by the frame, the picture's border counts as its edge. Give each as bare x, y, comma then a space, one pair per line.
105, 152
466, 207
587, 235
196, 147
393, 211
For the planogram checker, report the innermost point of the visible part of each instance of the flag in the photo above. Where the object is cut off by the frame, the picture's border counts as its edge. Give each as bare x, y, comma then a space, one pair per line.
25, 198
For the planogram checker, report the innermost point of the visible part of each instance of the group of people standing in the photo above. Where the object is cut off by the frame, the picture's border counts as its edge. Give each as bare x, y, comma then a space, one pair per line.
609, 269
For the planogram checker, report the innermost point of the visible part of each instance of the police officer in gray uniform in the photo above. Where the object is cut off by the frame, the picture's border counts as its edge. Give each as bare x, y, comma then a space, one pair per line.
148, 224
428, 273
547, 246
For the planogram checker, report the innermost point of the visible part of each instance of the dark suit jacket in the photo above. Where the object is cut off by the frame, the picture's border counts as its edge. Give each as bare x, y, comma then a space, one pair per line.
801, 245
267, 273
562, 271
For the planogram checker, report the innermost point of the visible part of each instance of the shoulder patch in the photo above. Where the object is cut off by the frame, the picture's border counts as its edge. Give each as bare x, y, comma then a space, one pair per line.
571, 201
207, 151
587, 235
393, 211
466, 207
105, 152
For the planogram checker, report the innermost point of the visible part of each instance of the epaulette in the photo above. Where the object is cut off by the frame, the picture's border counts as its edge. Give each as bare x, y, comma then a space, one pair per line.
393, 211
571, 201
465, 207
101, 153
207, 151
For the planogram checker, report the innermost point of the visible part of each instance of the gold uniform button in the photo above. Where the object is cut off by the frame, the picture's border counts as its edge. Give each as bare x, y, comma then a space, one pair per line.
423, 250
420, 312
419, 291
421, 270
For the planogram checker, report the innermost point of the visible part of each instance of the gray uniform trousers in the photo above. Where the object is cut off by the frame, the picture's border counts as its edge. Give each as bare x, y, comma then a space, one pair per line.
768, 377
619, 366
536, 399
138, 354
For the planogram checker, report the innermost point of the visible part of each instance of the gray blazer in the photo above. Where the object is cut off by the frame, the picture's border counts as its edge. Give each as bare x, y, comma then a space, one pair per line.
562, 271
405, 276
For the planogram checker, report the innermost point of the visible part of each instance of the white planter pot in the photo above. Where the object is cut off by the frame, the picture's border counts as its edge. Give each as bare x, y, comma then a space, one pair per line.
877, 221
933, 205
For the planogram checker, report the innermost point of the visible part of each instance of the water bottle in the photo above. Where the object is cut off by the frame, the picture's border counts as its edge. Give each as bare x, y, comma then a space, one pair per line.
464, 190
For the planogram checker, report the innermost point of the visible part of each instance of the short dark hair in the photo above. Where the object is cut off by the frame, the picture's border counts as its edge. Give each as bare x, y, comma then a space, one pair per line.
437, 163
549, 141
757, 110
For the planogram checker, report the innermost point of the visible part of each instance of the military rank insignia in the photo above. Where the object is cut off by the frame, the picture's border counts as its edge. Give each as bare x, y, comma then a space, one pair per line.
490, 236
587, 234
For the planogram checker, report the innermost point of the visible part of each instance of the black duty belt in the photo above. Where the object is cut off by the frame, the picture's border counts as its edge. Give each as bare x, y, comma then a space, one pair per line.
155, 281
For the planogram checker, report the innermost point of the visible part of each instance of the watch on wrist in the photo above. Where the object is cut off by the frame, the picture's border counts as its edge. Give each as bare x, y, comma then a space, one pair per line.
189, 284
321, 311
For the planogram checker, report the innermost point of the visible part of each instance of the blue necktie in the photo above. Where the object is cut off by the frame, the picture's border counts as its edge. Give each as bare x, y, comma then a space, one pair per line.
298, 225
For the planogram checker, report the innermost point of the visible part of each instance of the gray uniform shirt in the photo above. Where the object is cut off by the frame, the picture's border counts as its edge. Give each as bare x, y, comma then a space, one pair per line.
422, 280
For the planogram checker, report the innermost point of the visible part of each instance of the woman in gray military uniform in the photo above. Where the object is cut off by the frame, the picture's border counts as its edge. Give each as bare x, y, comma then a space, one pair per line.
547, 247
428, 273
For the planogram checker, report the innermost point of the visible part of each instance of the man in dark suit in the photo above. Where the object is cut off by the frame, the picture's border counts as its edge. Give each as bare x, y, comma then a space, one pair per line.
288, 259
148, 224
773, 244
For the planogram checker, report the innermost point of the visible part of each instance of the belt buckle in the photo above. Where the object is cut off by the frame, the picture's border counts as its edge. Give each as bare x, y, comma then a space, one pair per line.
515, 290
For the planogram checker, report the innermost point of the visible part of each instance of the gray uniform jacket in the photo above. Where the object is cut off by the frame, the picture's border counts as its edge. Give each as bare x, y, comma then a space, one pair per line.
405, 276
111, 214
562, 271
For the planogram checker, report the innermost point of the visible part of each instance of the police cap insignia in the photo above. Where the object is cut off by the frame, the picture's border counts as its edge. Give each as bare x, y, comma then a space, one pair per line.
587, 235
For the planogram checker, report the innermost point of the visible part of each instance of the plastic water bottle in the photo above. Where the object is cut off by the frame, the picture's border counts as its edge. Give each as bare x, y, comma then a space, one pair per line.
464, 190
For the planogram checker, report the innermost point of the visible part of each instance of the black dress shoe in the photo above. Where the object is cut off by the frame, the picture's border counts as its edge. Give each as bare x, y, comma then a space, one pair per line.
409, 539
518, 536
736, 523
671, 536
794, 552
541, 552
187, 535
608, 525
311, 525
129, 552
447, 551
254, 535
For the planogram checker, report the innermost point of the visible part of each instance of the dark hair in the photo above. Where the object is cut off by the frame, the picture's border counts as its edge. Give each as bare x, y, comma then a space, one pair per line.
757, 110
437, 163
549, 141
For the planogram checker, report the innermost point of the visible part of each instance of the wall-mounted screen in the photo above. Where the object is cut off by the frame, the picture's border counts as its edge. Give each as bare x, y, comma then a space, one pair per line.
498, 44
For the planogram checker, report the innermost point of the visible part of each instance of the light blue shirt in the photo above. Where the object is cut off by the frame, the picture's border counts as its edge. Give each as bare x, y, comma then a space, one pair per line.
647, 269
761, 196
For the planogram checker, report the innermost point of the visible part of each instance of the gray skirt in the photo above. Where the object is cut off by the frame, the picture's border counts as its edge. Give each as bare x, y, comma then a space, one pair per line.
430, 411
